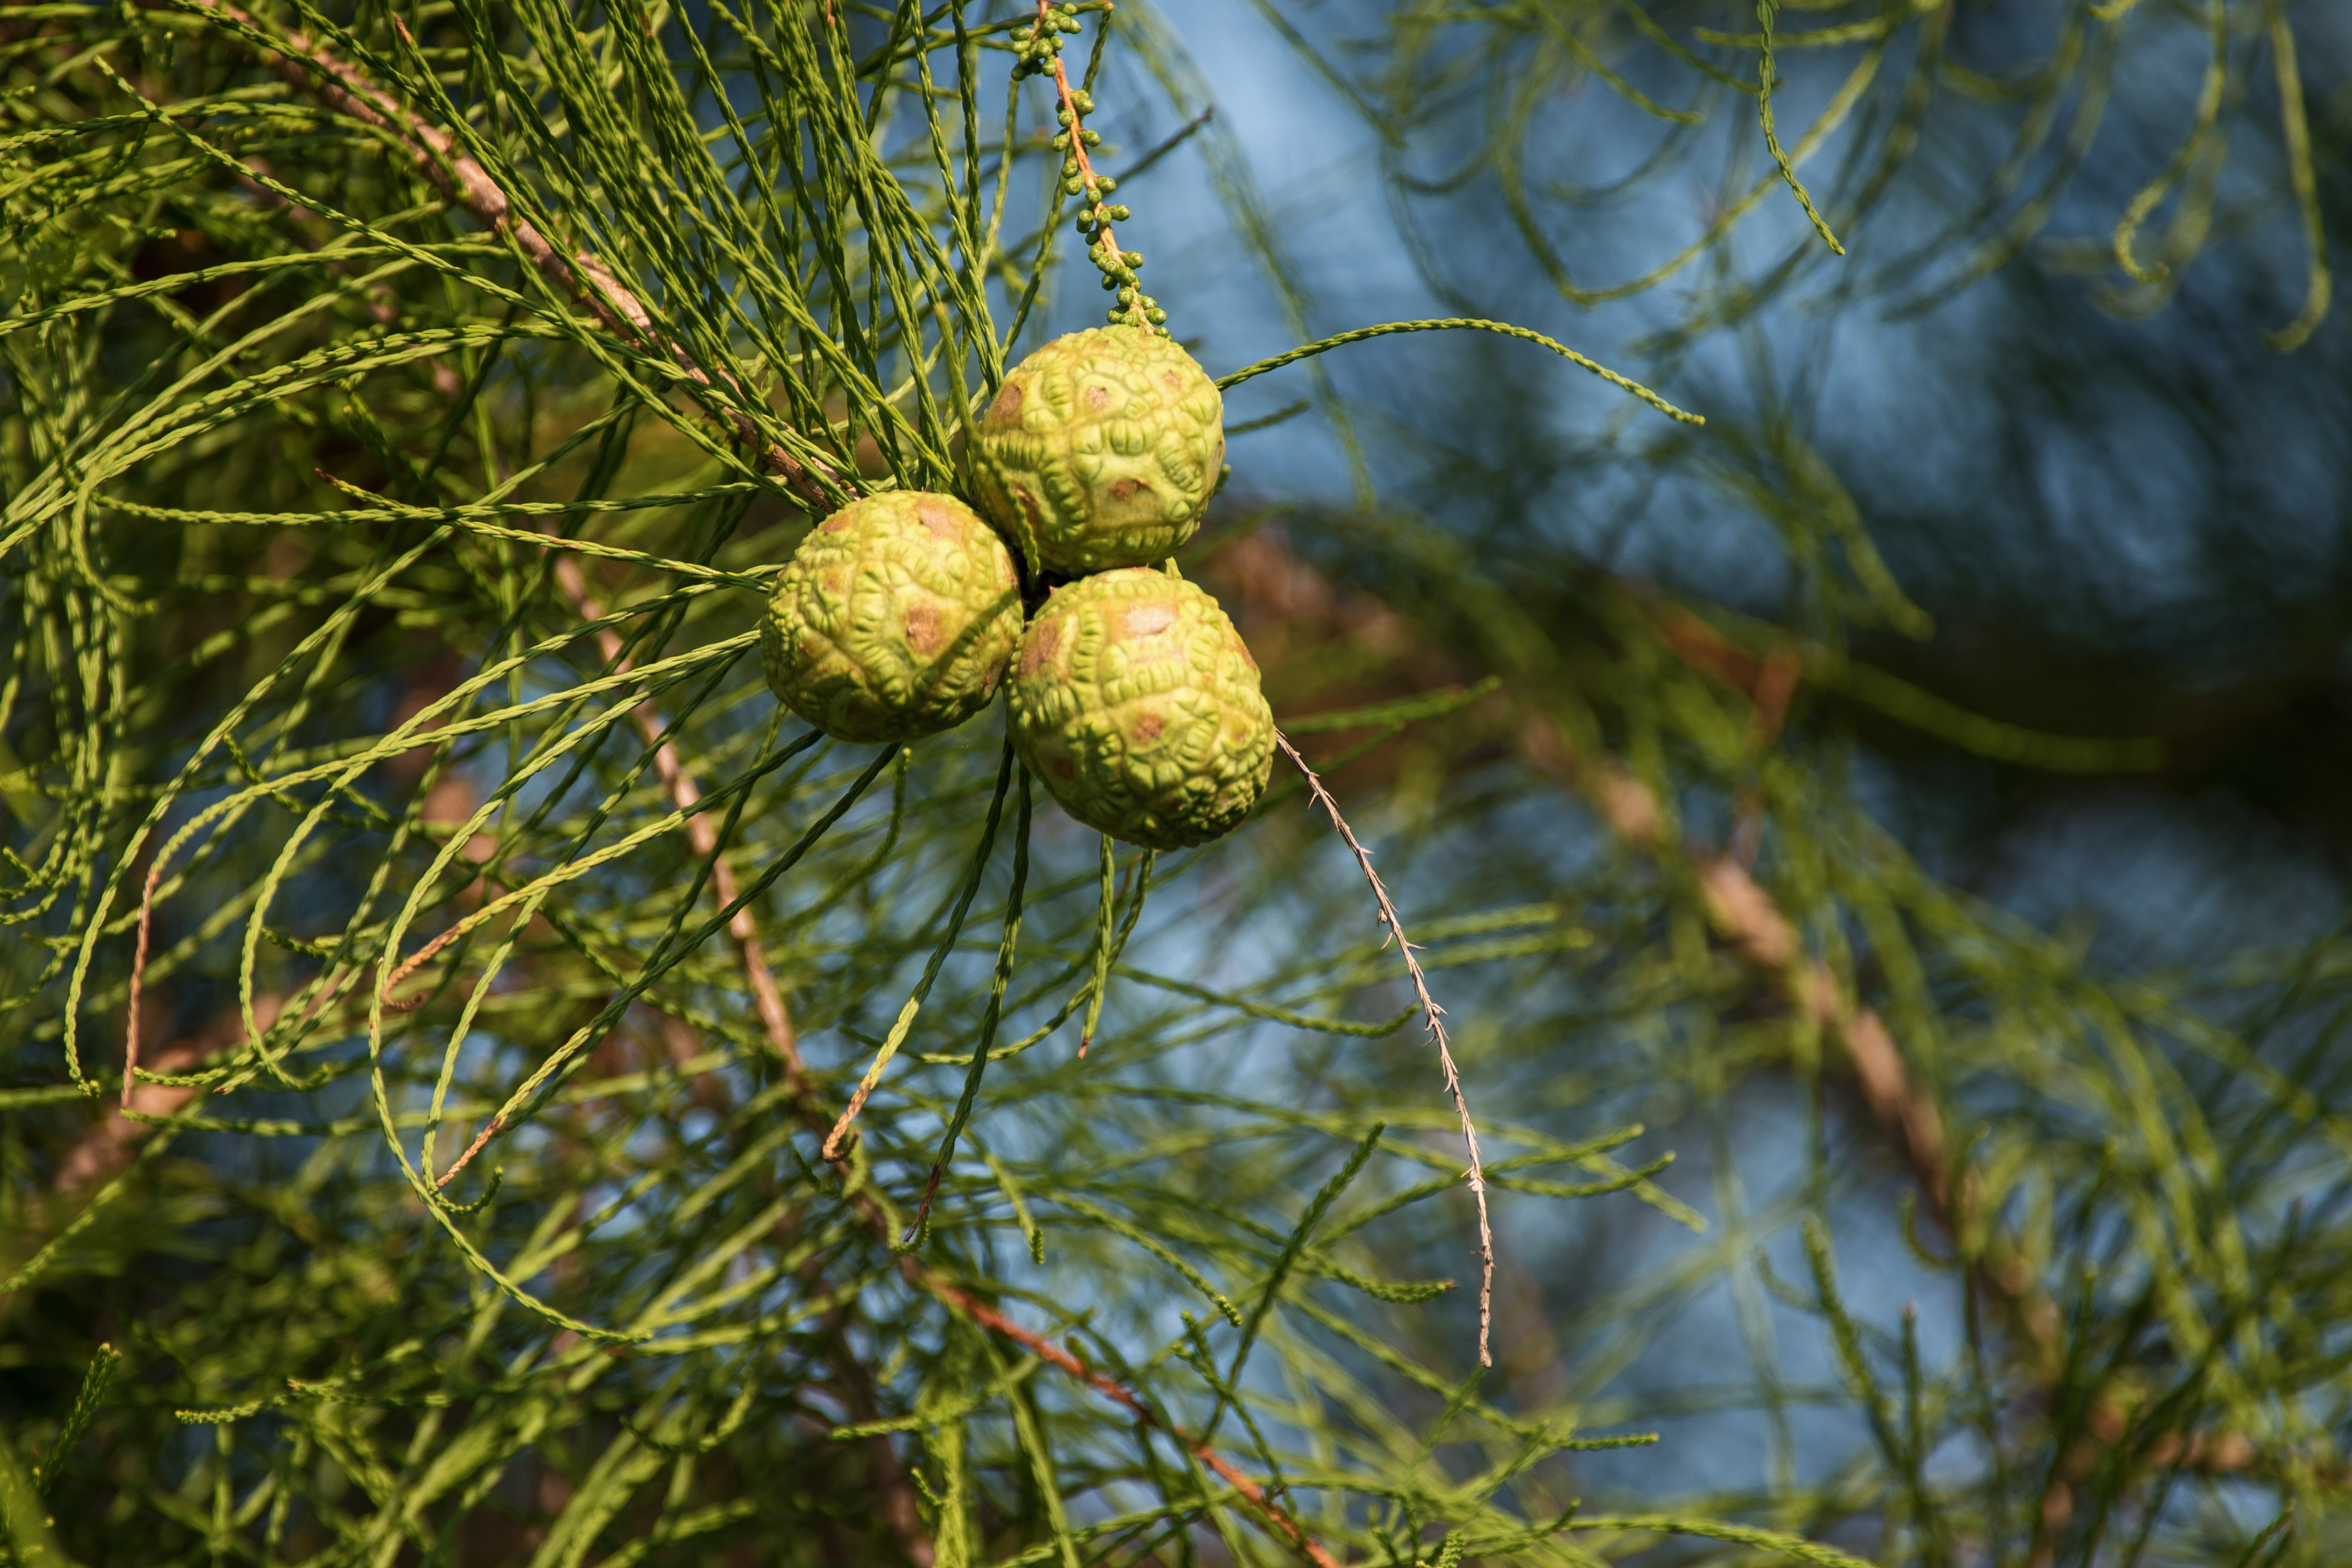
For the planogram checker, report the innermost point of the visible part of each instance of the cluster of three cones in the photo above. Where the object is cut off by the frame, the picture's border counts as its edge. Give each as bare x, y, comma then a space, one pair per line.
1132, 696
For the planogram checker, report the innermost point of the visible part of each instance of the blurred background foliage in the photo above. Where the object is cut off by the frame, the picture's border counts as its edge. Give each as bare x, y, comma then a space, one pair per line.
1881, 851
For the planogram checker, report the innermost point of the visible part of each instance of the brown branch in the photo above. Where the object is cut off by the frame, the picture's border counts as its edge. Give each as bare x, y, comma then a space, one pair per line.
742, 929
1120, 1394
1753, 926
1774, 689
1750, 923
855, 1386
465, 181
1434, 1016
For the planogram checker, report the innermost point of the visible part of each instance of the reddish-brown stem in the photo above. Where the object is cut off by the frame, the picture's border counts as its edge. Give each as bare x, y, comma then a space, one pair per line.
139, 980
1077, 128
1120, 1394
1775, 688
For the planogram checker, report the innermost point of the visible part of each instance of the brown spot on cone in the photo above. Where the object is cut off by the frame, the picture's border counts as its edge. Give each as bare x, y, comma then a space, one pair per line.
1043, 639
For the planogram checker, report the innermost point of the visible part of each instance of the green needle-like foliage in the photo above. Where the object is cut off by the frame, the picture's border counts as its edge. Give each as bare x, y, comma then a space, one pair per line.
505, 1091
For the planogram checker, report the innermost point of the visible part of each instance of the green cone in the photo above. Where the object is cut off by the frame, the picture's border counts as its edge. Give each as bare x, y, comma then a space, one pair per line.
895, 618
1135, 702
1100, 451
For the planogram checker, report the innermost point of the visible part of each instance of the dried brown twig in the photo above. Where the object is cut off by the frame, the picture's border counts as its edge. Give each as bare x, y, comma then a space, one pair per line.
1751, 923
1752, 926
1436, 1016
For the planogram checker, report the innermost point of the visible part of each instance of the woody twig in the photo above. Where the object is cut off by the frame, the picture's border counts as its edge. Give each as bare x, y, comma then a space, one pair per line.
586, 279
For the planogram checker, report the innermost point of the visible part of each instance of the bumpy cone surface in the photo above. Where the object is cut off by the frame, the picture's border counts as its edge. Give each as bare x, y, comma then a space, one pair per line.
1135, 702
1100, 451
895, 618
